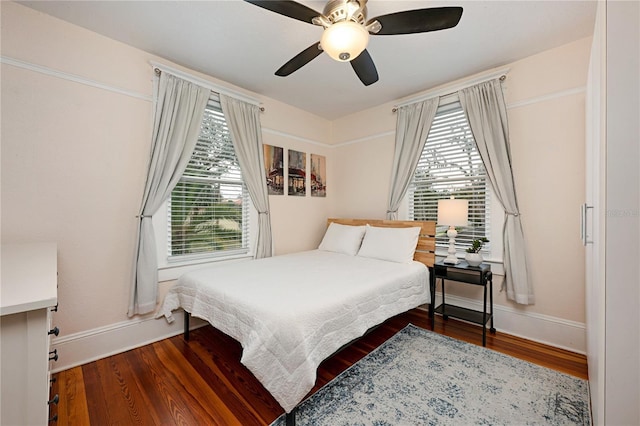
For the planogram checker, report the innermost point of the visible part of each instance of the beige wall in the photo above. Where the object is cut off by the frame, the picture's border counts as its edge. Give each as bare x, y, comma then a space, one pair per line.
545, 96
74, 160
298, 223
548, 147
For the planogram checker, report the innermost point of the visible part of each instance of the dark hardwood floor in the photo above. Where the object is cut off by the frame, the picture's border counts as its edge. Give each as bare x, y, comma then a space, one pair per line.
202, 382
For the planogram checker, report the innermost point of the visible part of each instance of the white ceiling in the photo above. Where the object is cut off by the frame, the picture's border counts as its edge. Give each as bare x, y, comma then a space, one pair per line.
243, 44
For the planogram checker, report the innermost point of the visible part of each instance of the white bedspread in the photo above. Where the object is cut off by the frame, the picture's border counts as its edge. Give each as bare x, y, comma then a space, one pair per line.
291, 312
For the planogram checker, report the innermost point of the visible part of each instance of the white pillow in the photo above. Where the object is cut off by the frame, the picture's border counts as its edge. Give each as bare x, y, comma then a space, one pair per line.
342, 239
392, 244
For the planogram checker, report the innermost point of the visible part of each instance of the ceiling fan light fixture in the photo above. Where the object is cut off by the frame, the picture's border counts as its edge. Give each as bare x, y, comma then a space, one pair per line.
344, 40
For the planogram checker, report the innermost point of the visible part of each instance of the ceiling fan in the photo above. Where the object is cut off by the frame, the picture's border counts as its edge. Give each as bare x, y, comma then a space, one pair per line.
346, 30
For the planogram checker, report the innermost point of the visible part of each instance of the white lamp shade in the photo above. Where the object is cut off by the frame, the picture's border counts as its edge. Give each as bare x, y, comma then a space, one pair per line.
453, 212
344, 40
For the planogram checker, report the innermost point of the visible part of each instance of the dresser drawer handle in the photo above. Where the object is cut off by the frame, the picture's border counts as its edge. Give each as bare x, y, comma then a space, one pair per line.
54, 330
55, 400
55, 355
54, 419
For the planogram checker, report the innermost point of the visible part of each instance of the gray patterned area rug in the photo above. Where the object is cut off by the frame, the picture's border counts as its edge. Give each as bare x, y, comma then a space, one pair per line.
419, 377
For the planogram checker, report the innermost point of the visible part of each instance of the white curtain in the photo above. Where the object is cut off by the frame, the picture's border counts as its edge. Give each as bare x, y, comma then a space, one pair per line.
412, 128
178, 115
246, 134
486, 111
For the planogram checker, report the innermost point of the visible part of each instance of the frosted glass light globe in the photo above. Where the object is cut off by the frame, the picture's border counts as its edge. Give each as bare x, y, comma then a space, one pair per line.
344, 40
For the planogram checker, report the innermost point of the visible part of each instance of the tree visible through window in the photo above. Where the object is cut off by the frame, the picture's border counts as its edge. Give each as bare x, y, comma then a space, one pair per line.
450, 165
208, 209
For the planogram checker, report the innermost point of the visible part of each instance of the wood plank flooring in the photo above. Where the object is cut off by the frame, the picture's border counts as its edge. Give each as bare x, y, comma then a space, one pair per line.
202, 382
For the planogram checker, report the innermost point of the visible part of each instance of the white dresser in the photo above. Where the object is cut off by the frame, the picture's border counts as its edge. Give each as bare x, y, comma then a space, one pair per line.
28, 293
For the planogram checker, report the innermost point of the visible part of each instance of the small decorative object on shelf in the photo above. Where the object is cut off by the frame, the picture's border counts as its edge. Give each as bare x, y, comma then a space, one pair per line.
473, 256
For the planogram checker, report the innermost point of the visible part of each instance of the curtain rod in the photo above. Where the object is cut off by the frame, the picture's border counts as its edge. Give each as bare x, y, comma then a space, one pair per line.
502, 75
159, 68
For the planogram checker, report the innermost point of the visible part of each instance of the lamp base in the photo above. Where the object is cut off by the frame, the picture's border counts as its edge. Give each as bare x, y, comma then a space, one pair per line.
451, 260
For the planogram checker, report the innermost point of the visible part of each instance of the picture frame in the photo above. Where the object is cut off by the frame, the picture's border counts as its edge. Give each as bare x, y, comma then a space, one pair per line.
297, 173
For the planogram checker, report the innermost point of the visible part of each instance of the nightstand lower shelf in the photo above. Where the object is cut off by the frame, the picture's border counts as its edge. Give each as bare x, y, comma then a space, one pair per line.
465, 314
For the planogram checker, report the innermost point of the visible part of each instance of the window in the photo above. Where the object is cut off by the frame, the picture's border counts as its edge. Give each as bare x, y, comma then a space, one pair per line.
450, 165
208, 210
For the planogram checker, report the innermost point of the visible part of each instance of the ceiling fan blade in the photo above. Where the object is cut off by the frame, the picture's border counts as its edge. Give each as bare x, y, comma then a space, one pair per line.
365, 68
300, 60
418, 21
290, 9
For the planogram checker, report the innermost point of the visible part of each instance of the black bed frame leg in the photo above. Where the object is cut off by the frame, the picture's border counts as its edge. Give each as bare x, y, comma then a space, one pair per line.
187, 317
432, 288
290, 418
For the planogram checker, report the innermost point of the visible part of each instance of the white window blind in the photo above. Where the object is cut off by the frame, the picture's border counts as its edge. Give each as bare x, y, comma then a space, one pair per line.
208, 210
450, 165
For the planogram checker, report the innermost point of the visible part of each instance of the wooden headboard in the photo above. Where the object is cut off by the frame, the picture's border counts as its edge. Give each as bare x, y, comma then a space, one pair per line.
426, 249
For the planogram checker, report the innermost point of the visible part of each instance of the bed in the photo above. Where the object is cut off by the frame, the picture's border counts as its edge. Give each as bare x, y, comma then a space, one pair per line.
290, 312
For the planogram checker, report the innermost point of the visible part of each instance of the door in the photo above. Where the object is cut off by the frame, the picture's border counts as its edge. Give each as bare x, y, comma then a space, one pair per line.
592, 222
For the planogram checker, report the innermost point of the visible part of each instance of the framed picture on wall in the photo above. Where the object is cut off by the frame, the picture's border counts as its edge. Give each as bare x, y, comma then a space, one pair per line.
318, 175
274, 169
297, 176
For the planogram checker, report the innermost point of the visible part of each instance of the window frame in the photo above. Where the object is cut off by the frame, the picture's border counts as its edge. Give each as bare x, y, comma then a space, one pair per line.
172, 266
493, 252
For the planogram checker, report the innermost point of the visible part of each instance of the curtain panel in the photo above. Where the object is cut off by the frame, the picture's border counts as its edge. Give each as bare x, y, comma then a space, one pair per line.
486, 111
246, 134
179, 109
412, 128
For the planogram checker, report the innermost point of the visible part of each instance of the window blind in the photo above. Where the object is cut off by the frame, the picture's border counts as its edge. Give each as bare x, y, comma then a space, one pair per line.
450, 165
208, 208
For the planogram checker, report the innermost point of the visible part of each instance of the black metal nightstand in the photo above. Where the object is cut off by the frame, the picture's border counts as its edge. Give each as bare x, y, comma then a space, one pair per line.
463, 272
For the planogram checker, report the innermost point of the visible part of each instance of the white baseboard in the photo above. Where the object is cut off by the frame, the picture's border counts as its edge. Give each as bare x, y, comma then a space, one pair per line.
553, 331
91, 345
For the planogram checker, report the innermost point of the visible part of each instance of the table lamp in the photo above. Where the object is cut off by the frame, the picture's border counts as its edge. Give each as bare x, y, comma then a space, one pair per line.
452, 212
